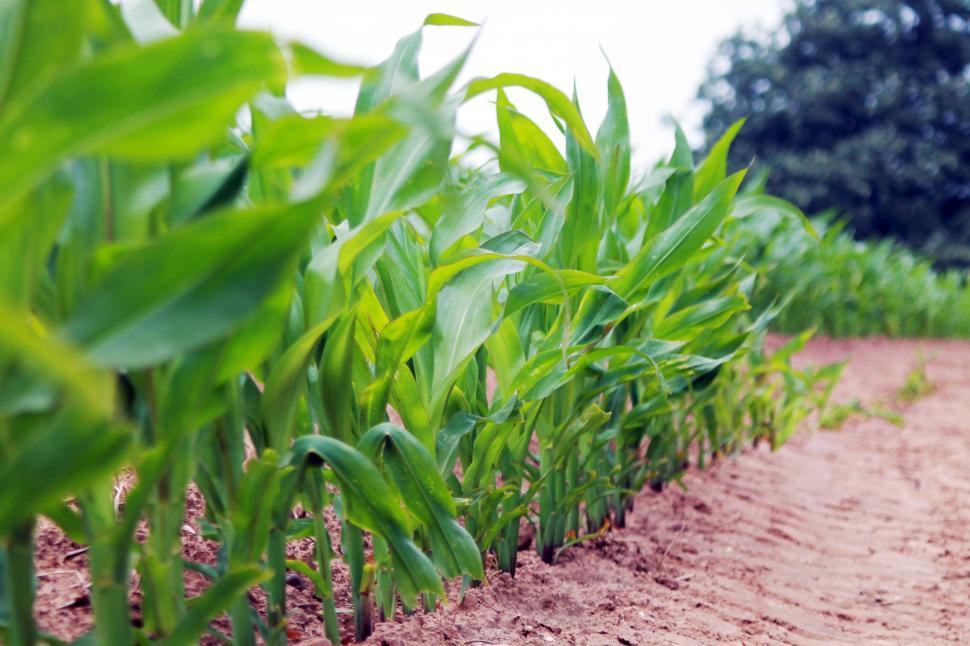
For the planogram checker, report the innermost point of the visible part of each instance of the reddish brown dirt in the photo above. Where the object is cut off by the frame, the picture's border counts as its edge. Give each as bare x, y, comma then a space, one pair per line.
63, 605
860, 535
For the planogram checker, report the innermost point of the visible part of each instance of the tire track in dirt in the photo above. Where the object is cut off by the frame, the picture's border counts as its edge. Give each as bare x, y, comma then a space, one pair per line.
860, 535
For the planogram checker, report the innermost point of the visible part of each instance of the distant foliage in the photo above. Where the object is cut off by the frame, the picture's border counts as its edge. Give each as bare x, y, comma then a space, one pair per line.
862, 106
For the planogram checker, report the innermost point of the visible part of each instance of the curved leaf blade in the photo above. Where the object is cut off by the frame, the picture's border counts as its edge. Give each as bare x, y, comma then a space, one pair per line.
425, 493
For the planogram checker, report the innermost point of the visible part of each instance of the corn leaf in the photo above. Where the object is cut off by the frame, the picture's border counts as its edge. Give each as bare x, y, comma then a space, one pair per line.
464, 315
675, 246
167, 100
426, 496
557, 102
190, 287
38, 39
713, 169
214, 601
613, 141
371, 505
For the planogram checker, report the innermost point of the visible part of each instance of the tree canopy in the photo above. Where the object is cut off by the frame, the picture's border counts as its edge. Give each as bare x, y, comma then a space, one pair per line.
862, 106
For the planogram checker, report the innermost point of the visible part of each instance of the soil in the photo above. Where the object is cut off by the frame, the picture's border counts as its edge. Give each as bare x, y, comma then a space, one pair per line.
849, 536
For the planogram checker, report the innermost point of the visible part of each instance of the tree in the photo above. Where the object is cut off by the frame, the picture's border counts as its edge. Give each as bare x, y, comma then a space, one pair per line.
862, 106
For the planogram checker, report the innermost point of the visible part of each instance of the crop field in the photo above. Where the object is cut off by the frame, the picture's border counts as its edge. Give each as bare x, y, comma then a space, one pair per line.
281, 329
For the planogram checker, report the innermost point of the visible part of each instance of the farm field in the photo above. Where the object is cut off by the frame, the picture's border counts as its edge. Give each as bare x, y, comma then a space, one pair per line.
841, 536
271, 375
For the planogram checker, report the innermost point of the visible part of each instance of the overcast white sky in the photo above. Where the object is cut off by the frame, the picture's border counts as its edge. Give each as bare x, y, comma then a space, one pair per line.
659, 48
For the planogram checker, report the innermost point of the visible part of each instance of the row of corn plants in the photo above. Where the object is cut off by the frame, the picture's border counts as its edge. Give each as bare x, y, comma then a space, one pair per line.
202, 285
846, 287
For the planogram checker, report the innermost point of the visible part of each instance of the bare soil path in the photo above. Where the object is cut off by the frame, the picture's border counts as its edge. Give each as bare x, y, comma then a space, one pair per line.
855, 536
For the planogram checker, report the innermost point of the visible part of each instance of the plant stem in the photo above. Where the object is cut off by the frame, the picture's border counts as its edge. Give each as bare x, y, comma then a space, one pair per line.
109, 569
353, 544
276, 588
19, 562
324, 555
242, 623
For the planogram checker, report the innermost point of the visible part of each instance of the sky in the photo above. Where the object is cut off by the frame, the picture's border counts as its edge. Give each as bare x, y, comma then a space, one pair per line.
660, 50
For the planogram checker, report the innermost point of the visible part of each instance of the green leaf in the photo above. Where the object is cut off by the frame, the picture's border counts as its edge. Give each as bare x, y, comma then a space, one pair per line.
214, 601
547, 371
748, 205
426, 495
589, 421
285, 385
675, 246
464, 314
372, 506
399, 340
413, 169
166, 101
252, 512
327, 288
206, 186
26, 244
549, 288
328, 277
582, 231
49, 451
713, 169
678, 191
292, 140
305, 61
193, 286
461, 424
215, 11
258, 336
399, 70
505, 355
522, 141
446, 20
336, 380
463, 213
146, 21
56, 454
690, 321
446, 444
599, 309
792, 346
613, 140
557, 102
38, 39
23, 341
175, 11
402, 338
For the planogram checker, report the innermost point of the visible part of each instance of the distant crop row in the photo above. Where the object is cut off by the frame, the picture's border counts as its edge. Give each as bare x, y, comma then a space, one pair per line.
246, 308
849, 288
